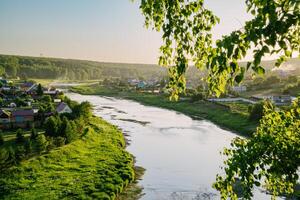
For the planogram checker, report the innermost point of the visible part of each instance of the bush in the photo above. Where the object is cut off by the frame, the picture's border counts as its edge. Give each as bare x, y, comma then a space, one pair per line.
256, 111
20, 136
60, 141
20, 153
197, 97
40, 143
28, 147
52, 126
1, 139
33, 134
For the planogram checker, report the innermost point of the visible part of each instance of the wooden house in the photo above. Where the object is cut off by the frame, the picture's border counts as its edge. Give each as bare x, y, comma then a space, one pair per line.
22, 118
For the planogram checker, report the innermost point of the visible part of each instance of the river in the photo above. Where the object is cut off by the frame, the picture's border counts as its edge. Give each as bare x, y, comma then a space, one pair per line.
181, 155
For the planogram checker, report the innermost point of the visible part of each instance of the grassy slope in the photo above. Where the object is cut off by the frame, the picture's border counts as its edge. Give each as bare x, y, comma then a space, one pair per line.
220, 115
97, 166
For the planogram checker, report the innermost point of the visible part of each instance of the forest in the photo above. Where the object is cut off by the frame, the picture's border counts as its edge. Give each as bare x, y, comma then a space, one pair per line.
67, 69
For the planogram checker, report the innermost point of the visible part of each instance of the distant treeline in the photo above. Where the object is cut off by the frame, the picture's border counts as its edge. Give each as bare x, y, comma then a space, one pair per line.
53, 68
68, 69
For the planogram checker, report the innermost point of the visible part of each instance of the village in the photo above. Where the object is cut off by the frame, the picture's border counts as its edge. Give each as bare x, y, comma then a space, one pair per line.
235, 93
26, 104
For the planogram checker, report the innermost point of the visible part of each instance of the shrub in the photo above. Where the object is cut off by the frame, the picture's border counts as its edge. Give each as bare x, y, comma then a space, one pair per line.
40, 143
256, 111
20, 153
28, 147
20, 136
60, 141
33, 134
1, 139
52, 126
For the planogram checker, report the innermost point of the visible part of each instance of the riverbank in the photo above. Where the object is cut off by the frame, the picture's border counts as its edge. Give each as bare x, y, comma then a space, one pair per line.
97, 166
220, 115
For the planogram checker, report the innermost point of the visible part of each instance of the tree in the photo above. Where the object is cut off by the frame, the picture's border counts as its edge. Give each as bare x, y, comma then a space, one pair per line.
39, 90
186, 27
256, 111
52, 126
83, 110
70, 131
274, 29
47, 99
40, 143
272, 155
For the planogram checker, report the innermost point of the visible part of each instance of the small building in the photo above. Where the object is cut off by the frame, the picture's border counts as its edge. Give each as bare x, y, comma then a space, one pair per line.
141, 85
63, 108
278, 100
51, 93
22, 118
4, 117
239, 89
281, 100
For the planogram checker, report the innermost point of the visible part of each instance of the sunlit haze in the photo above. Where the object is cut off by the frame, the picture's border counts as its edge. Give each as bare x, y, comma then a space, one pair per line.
105, 30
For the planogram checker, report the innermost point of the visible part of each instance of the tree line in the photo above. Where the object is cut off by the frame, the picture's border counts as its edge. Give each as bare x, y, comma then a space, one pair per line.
52, 68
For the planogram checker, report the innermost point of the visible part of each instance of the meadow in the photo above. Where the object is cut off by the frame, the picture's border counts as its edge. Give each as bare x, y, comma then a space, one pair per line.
94, 167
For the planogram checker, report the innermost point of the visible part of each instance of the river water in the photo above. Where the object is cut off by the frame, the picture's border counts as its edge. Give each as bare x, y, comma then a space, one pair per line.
181, 155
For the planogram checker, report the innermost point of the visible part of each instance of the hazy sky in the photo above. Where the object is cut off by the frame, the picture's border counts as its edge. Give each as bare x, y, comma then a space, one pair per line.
101, 30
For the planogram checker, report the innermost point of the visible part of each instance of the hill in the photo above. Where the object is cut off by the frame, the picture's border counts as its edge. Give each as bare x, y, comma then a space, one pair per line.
71, 69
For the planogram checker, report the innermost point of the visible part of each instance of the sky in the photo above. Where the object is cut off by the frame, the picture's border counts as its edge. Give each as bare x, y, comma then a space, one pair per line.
100, 30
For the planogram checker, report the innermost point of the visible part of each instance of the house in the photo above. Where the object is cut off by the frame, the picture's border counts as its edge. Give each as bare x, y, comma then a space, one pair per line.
22, 118
133, 82
141, 85
63, 108
4, 118
239, 89
278, 100
26, 86
52, 93
281, 100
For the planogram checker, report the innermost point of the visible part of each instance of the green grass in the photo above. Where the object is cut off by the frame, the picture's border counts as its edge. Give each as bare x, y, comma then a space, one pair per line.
94, 167
220, 115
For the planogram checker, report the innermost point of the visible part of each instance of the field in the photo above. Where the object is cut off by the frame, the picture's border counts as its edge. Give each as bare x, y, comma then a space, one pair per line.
97, 166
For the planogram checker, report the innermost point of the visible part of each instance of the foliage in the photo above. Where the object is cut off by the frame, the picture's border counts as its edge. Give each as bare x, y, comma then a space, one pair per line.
39, 90
1, 139
52, 126
20, 136
256, 111
186, 27
40, 143
75, 70
33, 133
271, 155
83, 110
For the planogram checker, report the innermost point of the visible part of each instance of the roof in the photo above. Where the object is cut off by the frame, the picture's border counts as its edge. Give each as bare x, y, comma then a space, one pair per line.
27, 84
51, 92
22, 113
3, 112
61, 107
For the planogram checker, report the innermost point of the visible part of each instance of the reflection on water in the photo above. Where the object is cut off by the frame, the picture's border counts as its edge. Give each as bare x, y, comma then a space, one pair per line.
181, 155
